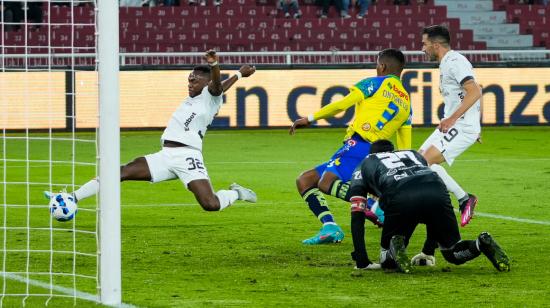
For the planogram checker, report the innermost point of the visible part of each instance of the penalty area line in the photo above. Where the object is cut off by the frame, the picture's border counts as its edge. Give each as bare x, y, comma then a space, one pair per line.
60, 289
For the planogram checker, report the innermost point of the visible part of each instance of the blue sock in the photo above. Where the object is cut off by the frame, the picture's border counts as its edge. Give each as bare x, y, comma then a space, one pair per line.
318, 205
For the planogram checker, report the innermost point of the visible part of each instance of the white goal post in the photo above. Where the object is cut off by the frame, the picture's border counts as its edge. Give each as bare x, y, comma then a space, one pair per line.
47, 146
109, 153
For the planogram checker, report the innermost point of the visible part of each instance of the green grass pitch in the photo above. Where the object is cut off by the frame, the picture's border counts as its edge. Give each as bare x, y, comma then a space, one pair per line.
174, 254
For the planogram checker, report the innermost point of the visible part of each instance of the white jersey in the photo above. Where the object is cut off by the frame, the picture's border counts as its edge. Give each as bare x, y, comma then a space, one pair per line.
190, 121
454, 70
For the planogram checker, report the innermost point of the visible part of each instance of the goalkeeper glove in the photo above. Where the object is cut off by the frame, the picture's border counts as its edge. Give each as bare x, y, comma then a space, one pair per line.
423, 259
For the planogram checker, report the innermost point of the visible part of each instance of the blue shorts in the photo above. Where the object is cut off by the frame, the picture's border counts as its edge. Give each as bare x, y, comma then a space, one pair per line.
347, 158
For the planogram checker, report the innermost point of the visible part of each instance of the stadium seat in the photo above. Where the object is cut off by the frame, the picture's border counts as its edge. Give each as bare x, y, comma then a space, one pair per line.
249, 24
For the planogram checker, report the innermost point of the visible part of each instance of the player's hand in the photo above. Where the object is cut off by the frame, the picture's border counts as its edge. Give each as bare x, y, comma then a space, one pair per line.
247, 70
445, 125
301, 122
211, 57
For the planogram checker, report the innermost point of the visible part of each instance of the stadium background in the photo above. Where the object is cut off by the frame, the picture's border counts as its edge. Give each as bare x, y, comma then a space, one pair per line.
266, 100
252, 255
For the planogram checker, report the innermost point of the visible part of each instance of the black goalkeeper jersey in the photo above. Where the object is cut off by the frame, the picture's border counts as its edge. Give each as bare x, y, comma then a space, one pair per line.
386, 174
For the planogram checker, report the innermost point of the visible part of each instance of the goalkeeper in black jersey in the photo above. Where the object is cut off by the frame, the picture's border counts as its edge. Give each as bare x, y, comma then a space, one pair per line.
410, 193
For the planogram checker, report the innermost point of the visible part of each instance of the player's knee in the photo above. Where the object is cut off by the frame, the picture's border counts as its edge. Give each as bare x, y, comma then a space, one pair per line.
303, 183
209, 204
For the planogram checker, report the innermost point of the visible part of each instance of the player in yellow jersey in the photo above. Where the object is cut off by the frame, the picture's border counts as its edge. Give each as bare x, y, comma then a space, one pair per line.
382, 109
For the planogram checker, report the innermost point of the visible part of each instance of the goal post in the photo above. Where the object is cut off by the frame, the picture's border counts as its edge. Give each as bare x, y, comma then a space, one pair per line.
59, 128
109, 153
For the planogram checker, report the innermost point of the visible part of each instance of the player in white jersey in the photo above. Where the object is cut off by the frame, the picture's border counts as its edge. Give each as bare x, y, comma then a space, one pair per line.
181, 154
460, 126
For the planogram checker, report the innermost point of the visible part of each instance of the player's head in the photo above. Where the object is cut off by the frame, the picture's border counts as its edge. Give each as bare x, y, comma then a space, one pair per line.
436, 41
198, 79
382, 145
390, 62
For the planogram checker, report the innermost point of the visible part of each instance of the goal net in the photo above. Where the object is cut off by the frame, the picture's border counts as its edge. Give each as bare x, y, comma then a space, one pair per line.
50, 119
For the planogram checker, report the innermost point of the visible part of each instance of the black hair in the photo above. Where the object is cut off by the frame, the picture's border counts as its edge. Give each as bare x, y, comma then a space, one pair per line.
382, 145
438, 33
394, 54
202, 69
394, 58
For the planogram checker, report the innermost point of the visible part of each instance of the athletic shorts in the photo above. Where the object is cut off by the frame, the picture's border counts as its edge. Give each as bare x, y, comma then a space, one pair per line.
185, 163
349, 156
420, 202
451, 144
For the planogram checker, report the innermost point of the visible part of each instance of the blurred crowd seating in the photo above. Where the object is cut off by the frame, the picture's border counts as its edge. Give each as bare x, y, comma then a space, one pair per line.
239, 25
244, 25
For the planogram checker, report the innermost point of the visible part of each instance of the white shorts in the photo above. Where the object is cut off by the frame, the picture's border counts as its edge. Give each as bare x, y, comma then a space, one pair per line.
451, 144
185, 163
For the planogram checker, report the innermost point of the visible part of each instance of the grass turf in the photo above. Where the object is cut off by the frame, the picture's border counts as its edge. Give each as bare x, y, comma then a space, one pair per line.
175, 254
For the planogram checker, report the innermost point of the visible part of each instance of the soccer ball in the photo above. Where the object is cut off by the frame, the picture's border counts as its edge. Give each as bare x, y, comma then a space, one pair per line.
63, 207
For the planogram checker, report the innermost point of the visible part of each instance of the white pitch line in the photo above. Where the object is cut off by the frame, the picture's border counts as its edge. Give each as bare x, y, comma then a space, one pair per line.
60, 289
516, 219
503, 159
495, 216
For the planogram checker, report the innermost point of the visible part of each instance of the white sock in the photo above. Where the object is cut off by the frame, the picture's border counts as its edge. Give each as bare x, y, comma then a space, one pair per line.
451, 184
226, 197
87, 190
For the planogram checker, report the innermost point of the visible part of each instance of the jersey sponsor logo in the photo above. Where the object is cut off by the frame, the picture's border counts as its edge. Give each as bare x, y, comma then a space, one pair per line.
188, 121
400, 176
401, 93
366, 127
370, 88
391, 172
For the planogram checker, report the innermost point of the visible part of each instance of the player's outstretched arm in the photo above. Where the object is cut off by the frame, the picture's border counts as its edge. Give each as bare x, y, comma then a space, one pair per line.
244, 71
328, 111
215, 85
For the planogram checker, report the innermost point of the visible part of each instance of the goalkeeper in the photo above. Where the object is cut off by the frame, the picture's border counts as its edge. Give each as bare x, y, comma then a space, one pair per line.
410, 193
382, 109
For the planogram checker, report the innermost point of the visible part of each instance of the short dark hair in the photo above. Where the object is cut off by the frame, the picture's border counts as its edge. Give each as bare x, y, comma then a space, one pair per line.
438, 33
382, 145
202, 69
393, 55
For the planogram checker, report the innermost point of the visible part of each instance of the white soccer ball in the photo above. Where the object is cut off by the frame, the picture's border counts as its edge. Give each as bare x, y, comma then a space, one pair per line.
63, 207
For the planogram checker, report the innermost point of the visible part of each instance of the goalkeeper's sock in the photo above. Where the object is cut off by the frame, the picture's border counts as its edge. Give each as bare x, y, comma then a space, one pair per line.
451, 184
226, 198
461, 252
340, 190
318, 205
87, 190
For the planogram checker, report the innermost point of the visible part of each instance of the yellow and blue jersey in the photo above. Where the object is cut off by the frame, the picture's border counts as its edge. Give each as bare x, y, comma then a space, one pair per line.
382, 109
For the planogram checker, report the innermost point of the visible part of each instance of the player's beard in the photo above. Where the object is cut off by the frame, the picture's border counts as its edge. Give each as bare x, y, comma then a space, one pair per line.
432, 56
